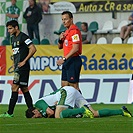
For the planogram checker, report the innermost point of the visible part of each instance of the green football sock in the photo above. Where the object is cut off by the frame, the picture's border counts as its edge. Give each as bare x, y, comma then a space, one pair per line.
70, 112
109, 112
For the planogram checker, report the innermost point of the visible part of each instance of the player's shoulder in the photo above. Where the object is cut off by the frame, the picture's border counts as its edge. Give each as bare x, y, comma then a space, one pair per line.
25, 38
17, 8
74, 29
23, 34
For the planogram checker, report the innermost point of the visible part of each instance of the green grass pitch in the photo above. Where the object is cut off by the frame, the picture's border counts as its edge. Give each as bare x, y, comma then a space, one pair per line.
20, 124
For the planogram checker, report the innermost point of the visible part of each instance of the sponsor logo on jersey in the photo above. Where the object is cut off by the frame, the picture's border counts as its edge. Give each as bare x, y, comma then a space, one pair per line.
15, 50
17, 43
27, 41
75, 38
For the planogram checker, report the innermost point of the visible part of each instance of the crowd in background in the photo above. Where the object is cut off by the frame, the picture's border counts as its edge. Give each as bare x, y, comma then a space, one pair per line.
33, 16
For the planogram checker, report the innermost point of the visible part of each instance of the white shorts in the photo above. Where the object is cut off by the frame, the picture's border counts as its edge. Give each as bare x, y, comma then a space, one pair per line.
73, 98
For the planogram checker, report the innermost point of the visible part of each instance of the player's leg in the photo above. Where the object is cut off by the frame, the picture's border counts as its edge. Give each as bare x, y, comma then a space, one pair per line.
77, 113
12, 102
36, 31
14, 96
100, 113
127, 32
13, 99
122, 33
64, 81
67, 113
24, 87
30, 31
67, 99
73, 71
75, 85
111, 112
80, 100
59, 109
27, 96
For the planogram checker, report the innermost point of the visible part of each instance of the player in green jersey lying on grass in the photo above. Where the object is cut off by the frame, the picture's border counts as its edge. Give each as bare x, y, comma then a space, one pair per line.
61, 103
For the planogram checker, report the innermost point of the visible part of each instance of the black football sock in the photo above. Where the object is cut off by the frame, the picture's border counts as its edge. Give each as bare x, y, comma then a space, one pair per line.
28, 99
12, 103
122, 40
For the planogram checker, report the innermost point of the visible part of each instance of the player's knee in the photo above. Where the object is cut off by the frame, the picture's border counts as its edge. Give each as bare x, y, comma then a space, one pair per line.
123, 28
15, 87
64, 83
57, 115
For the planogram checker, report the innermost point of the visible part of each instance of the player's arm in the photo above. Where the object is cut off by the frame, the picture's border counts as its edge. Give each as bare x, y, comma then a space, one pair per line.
49, 112
12, 15
39, 15
88, 38
16, 15
25, 14
60, 41
60, 45
13, 66
75, 44
74, 50
32, 50
85, 42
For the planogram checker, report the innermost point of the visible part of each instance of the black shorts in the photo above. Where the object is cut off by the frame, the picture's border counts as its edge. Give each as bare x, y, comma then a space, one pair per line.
21, 78
71, 69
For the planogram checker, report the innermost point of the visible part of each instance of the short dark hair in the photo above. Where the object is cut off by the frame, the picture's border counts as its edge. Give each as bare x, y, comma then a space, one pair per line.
29, 113
13, 23
85, 24
69, 13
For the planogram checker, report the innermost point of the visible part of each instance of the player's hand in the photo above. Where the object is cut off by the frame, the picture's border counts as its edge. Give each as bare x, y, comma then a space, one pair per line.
62, 35
13, 66
60, 62
20, 64
49, 112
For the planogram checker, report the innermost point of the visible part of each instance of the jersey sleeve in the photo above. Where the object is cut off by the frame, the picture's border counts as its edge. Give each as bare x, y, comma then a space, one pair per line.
26, 40
41, 105
17, 11
75, 36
